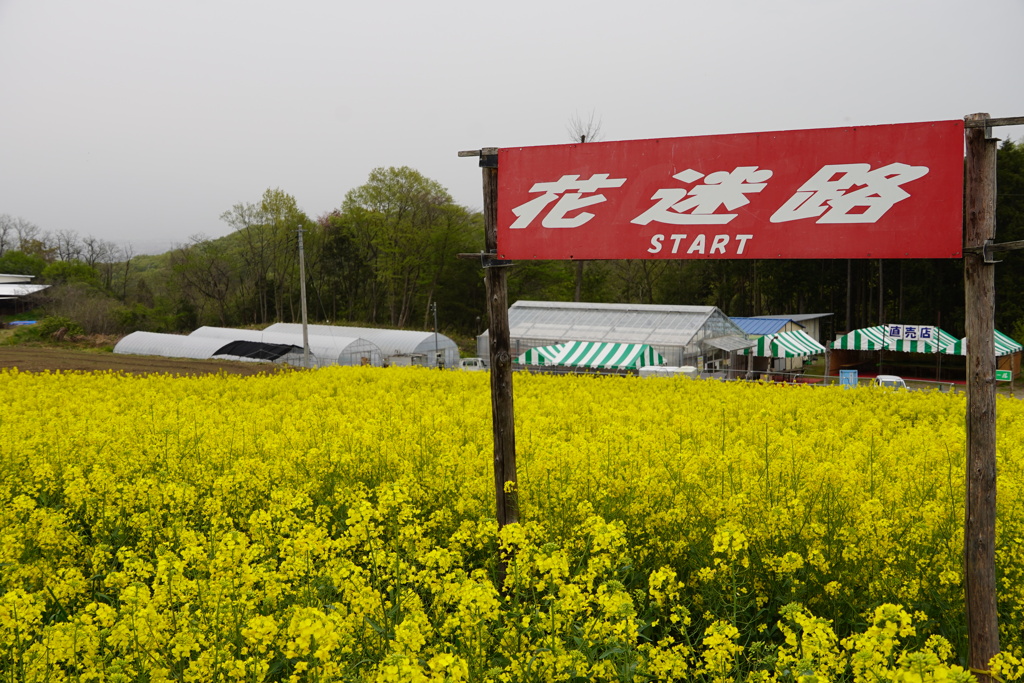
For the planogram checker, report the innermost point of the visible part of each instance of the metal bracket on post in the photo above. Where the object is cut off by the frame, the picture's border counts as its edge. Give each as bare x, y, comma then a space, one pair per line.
988, 252
989, 248
489, 157
487, 259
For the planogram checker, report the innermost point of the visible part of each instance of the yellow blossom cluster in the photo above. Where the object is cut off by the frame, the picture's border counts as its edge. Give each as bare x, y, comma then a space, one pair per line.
338, 525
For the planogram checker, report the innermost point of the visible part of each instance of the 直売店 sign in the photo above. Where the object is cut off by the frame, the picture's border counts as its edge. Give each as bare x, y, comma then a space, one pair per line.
892, 191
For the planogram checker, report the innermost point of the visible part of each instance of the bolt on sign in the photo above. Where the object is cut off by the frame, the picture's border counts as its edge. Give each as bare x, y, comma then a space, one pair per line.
892, 191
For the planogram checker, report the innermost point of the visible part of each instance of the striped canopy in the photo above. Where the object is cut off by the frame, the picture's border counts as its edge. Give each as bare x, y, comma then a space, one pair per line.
867, 339
539, 355
791, 344
874, 339
607, 355
1004, 346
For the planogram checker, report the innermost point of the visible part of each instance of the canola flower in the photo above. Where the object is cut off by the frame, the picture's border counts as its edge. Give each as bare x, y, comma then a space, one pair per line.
337, 525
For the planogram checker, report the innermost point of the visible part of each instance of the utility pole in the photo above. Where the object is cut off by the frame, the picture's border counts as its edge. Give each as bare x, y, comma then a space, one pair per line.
302, 296
433, 308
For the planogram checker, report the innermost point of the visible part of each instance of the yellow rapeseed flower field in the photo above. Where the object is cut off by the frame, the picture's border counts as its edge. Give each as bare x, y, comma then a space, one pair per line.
338, 525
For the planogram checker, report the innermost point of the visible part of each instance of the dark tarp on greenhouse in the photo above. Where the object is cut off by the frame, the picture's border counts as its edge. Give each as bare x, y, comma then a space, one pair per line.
256, 350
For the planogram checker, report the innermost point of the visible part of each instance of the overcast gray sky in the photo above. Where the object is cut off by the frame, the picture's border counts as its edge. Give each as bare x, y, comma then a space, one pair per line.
141, 121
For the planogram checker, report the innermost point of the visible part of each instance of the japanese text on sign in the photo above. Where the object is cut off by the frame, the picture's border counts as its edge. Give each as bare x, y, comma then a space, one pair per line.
876, 192
924, 333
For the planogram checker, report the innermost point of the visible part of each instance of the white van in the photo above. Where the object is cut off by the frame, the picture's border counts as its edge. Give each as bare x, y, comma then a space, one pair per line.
891, 381
473, 364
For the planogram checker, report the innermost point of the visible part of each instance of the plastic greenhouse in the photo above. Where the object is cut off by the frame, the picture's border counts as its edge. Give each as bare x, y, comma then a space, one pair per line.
396, 346
681, 334
210, 342
323, 349
170, 346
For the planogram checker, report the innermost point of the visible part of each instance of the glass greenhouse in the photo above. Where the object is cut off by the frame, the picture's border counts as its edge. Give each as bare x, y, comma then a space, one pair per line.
680, 334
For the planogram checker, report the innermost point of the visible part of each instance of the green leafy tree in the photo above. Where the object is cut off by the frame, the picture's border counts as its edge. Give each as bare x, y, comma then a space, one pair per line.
19, 263
267, 248
1010, 228
73, 271
408, 230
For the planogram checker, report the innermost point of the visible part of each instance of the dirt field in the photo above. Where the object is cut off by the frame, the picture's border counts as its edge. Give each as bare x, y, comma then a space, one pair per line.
43, 358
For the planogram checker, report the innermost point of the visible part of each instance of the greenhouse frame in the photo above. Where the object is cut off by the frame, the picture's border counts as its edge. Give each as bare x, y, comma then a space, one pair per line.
397, 347
682, 335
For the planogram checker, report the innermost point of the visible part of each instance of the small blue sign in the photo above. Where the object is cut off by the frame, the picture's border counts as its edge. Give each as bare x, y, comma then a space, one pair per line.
848, 378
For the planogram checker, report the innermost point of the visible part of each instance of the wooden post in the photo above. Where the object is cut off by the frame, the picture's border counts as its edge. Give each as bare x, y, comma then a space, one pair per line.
503, 415
979, 288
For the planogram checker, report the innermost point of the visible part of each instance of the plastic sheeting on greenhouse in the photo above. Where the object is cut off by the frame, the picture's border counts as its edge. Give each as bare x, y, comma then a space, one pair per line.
792, 344
392, 343
256, 350
171, 346
323, 349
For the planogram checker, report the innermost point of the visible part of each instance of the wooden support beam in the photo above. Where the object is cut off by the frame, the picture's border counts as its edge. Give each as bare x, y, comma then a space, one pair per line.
989, 248
980, 512
971, 122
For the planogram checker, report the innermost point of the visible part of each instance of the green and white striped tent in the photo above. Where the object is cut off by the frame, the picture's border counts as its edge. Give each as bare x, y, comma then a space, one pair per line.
874, 339
539, 355
1004, 346
607, 355
867, 339
942, 341
792, 344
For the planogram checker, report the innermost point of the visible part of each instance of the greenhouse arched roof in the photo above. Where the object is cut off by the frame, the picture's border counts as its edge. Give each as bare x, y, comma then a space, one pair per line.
324, 349
391, 342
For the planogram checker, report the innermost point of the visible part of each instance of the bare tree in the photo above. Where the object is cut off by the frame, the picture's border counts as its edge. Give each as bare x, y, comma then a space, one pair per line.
27, 231
125, 270
582, 129
95, 251
6, 233
68, 245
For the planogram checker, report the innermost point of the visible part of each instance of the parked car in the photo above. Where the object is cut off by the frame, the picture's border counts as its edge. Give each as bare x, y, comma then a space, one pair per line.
472, 364
893, 381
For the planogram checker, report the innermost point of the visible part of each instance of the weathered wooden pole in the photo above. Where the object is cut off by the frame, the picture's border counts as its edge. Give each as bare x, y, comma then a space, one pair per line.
503, 414
979, 289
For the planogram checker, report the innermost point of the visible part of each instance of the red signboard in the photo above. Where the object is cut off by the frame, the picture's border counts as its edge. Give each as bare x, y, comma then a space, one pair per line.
893, 191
